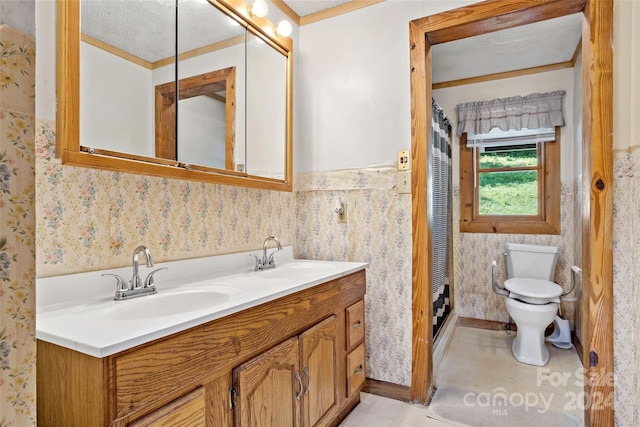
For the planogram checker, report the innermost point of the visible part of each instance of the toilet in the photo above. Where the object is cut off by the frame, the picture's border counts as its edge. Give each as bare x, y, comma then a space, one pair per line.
533, 298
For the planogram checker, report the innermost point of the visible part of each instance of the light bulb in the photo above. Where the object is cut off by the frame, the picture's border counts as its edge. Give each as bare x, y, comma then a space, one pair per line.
259, 8
284, 28
233, 22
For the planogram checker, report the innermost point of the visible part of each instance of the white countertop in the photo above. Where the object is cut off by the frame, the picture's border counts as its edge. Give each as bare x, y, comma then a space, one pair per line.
78, 311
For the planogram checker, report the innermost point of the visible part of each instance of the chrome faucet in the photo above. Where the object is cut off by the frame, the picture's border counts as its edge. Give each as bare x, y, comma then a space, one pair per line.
135, 279
136, 287
267, 261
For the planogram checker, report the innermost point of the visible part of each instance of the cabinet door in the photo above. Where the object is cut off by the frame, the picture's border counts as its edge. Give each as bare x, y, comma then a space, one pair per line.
188, 410
269, 388
319, 346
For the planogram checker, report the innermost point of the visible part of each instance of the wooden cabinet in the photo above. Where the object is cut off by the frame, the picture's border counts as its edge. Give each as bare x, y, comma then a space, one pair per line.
355, 370
186, 411
186, 378
356, 373
292, 384
269, 388
355, 324
319, 352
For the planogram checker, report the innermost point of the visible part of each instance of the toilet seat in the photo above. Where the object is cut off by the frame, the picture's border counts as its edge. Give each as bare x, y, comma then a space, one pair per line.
533, 291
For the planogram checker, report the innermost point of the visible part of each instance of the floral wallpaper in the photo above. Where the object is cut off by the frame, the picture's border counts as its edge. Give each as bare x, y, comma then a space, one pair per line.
626, 297
17, 225
377, 231
93, 220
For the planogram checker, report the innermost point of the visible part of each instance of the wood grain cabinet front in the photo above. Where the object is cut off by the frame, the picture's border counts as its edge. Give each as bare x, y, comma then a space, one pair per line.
355, 324
355, 370
269, 388
293, 384
271, 353
188, 410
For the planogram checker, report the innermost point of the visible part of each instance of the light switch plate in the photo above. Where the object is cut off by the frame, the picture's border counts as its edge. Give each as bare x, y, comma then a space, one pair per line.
404, 160
404, 182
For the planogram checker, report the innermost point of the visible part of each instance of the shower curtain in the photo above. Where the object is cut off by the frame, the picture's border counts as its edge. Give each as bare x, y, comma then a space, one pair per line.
439, 213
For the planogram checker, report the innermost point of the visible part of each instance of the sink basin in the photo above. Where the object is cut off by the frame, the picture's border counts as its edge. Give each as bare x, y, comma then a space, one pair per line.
168, 303
295, 269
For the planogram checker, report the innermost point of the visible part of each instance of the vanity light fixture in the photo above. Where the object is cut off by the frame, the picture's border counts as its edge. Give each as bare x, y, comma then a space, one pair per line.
259, 8
283, 28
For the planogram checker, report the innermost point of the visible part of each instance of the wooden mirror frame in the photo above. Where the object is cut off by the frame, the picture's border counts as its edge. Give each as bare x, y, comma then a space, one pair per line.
207, 84
68, 147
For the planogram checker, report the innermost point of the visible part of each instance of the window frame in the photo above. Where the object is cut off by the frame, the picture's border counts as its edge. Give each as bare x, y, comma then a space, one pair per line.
548, 219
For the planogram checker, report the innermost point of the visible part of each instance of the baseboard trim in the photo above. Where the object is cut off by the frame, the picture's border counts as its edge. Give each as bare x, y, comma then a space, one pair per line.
578, 345
386, 389
492, 325
444, 338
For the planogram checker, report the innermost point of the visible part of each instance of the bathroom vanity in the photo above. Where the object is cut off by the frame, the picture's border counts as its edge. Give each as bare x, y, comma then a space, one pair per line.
284, 349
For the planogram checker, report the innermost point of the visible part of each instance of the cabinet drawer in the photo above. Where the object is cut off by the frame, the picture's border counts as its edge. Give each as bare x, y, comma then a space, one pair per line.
355, 324
355, 370
188, 410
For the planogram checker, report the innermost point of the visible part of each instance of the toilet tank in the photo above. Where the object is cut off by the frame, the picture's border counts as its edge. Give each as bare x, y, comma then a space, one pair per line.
531, 261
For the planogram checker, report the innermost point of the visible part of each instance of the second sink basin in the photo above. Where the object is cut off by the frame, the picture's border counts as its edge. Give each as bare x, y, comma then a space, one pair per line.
295, 269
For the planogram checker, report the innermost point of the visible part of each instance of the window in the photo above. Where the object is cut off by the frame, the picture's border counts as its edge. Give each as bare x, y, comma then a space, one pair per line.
510, 187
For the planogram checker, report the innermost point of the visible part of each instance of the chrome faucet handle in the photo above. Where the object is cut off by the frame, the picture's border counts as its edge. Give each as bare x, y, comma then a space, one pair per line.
122, 287
121, 283
258, 265
149, 282
271, 261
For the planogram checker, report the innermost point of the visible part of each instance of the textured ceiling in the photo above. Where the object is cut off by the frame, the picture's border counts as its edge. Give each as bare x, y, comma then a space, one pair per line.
308, 7
145, 28
543, 43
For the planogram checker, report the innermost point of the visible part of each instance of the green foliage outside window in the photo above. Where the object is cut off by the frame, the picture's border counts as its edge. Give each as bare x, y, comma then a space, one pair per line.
508, 192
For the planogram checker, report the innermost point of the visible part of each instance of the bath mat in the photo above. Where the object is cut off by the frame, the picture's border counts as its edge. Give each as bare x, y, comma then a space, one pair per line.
495, 409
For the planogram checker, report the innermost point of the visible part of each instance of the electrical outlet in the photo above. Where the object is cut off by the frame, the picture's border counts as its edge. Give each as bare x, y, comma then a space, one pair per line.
342, 216
404, 182
404, 160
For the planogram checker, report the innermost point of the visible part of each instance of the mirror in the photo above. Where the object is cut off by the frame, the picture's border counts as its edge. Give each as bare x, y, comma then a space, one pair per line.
122, 112
266, 105
211, 106
206, 119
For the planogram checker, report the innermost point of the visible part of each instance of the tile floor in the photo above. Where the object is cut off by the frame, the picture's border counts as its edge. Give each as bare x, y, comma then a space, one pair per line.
480, 360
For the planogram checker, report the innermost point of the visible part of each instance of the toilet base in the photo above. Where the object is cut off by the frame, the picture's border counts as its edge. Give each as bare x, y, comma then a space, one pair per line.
536, 355
529, 346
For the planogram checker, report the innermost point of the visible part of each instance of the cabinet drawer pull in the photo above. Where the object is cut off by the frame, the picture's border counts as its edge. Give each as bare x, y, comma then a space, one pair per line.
357, 324
306, 372
298, 394
358, 370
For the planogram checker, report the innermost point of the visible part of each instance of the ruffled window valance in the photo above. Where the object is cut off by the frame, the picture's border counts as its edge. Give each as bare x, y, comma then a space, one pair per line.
538, 110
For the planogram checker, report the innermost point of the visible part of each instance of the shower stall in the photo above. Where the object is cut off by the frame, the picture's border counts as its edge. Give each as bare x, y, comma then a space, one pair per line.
439, 214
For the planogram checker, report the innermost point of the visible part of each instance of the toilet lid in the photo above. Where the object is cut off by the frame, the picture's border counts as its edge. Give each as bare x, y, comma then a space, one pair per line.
535, 288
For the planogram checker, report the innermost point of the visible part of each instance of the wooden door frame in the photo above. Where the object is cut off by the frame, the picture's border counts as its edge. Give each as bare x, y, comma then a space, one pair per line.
597, 178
